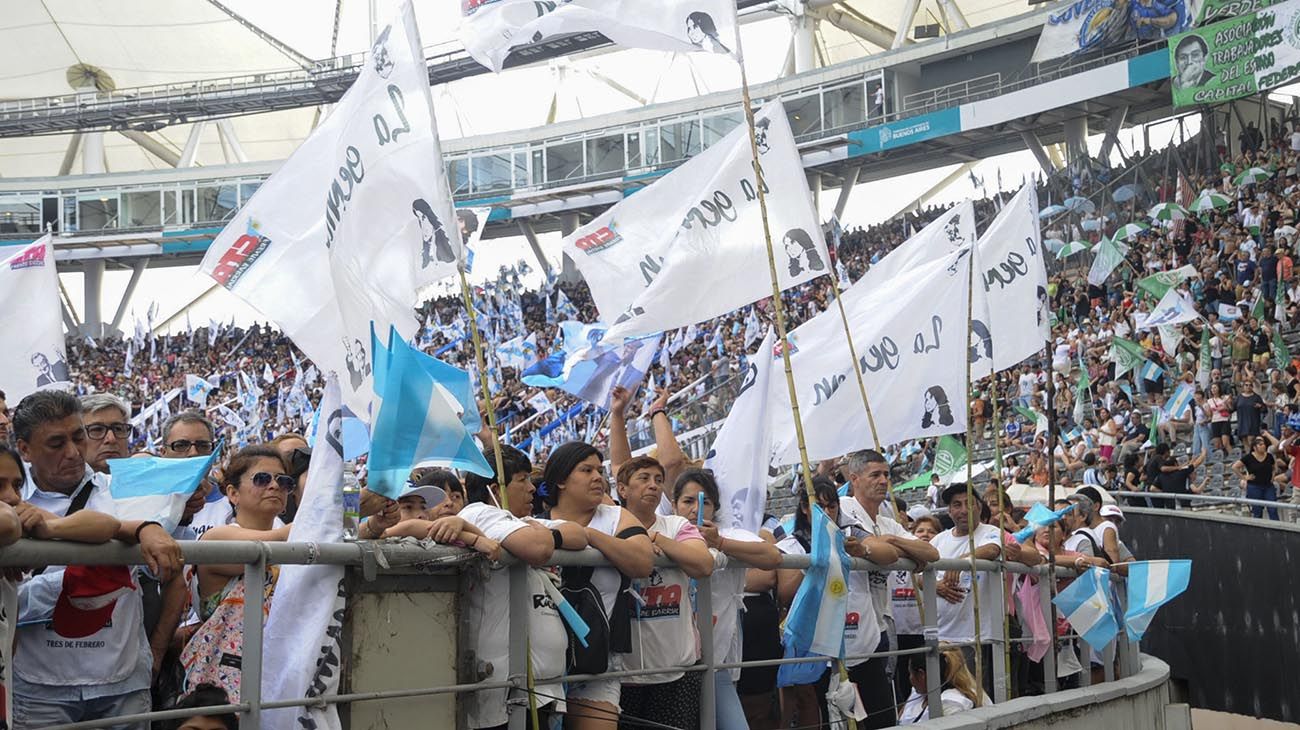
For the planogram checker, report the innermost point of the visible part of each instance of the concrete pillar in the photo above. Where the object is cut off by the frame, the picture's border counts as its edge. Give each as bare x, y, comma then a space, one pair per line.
191, 145
569, 272
526, 228
905, 22
803, 29
1033, 145
92, 153
953, 14
815, 188
850, 180
70, 154
93, 323
1076, 139
231, 140
1114, 123
137, 269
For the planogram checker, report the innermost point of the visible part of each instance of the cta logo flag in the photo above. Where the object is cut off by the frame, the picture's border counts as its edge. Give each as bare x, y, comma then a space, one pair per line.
1175, 307
33, 357
355, 224
302, 632
197, 389
1127, 355
644, 258
742, 450
490, 29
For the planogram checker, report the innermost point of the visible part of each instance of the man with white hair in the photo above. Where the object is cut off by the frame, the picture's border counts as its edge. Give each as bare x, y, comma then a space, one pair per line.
108, 430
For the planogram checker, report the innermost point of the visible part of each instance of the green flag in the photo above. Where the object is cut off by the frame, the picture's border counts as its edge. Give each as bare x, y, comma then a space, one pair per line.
1107, 255
949, 456
1127, 355
1279, 304
1153, 435
1161, 282
1259, 308
1085, 381
1204, 361
1281, 353
917, 482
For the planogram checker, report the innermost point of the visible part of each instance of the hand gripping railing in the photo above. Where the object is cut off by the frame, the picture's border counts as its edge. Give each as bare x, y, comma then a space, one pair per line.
404, 555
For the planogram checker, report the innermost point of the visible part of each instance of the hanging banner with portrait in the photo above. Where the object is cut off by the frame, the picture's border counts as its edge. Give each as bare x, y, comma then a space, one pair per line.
691, 246
33, 357
1238, 57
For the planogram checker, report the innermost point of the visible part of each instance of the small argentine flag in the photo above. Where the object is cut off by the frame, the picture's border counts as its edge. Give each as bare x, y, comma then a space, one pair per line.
815, 624
1180, 402
425, 409
1152, 584
1086, 605
1039, 516
1151, 371
153, 488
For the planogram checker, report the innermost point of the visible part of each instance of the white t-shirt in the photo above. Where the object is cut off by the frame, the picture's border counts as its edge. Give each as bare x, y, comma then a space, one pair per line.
904, 603
1078, 542
606, 580
957, 620
488, 610
915, 710
1295, 141
727, 587
852, 510
663, 624
1027, 382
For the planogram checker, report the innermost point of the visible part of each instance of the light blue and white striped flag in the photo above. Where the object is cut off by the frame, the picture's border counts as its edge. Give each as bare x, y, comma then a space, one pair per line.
423, 419
1150, 371
1152, 584
1180, 402
815, 624
1086, 605
153, 488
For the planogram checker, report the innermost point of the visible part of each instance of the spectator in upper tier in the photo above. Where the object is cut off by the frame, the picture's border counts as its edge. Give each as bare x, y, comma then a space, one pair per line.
1256, 469
107, 673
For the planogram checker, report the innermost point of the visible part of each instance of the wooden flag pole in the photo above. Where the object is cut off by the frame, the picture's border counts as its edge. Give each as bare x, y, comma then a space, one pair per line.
972, 507
779, 309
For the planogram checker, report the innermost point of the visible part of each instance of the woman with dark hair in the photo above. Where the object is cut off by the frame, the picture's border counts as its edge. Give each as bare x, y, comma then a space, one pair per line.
695, 497
204, 695
257, 484
575, 489
432, 234
700, 29
798, 245
936, 405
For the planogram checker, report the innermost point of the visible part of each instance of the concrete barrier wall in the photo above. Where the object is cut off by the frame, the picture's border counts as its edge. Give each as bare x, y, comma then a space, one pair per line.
1234, 636
1133, 703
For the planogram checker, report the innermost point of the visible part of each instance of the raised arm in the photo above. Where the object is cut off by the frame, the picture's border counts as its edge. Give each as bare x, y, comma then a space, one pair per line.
670, 454
620, 449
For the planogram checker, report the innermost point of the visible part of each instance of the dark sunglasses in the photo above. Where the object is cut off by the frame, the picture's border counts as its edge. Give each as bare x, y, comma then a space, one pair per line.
180, 445
262, 480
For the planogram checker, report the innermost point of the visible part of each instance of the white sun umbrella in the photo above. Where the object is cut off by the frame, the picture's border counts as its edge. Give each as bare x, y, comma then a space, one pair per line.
1167, 212
1210, 201
1071, 249
1252, 175
1128, 230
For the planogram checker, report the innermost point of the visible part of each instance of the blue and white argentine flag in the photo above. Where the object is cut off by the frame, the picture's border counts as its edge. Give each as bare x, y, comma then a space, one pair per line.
1086, 605
1152, 584
1180, 402
1151, 371
815, 624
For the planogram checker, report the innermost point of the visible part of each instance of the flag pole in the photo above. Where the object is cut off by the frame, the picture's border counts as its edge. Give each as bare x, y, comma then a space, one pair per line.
972, 508
1002, 508
1051, 504
778, 309
481, 362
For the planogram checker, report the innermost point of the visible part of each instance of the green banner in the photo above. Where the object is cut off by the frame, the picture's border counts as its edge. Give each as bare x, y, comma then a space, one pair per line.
1237, 57
1213, 11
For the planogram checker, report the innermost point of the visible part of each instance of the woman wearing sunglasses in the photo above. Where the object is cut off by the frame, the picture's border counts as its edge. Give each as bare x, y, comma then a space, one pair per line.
257, 484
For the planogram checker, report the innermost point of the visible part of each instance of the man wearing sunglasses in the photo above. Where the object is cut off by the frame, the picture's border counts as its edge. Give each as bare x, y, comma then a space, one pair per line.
108, 430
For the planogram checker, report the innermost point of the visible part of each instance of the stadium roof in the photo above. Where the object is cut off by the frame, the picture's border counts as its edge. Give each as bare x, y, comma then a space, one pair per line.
51, 47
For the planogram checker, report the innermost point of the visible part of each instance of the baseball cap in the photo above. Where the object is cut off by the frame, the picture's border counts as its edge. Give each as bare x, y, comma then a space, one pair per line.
1111, 510
431, 495
89, 595
917, 511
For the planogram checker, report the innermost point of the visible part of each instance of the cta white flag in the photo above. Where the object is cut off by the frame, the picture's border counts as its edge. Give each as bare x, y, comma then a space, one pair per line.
1108, 254
490, 29
301, 638
910, 335
742, 450
646, 259
33, 357
355, 224
1175, 307
1011, 281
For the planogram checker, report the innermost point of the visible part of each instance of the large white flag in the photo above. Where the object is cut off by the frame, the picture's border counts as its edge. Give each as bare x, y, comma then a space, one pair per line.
490, 29
33, 357
690, 247
742, 451
1108, 254
1175, 307
302, 631
910, 336
355, 224
1011, 279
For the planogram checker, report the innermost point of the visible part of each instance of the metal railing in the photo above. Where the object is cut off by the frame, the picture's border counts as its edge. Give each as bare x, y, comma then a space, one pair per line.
1175, 500
1120, 658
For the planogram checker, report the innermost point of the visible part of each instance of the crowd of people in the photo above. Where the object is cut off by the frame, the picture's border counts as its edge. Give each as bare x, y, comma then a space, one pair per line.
174, 634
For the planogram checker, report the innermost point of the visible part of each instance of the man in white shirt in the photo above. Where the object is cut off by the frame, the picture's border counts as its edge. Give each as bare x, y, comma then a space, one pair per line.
1026, 383
956, 606
868, 475
58, 680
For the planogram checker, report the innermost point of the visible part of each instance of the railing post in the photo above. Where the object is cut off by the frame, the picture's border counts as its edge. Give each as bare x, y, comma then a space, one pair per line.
520, 598
704, 624
1045, 599
930, 630
250, 679
1085, 661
